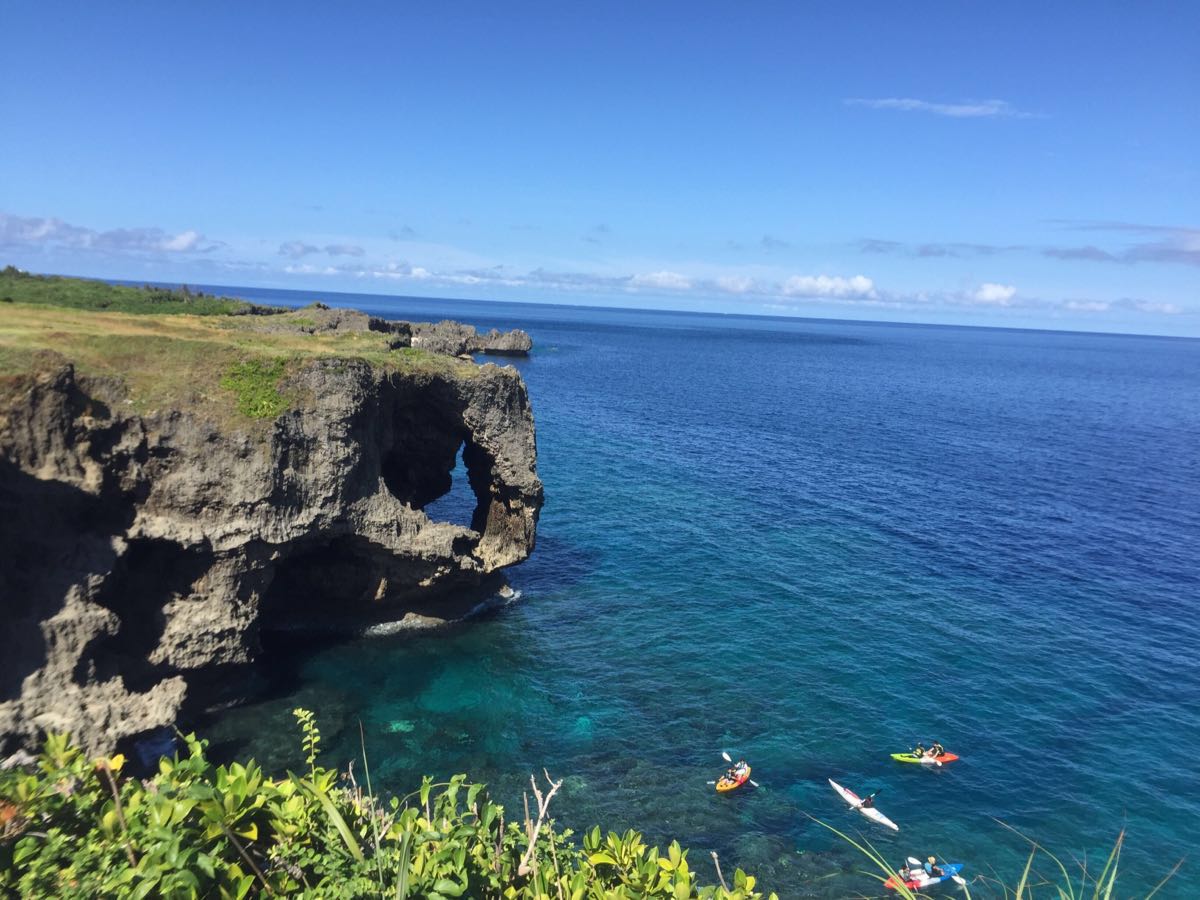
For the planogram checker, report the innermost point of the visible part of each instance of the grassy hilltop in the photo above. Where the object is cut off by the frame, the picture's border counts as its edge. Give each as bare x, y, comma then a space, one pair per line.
80, 293
179, 348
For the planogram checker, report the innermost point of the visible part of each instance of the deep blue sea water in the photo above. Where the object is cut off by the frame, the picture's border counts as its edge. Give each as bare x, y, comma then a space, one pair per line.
812, 543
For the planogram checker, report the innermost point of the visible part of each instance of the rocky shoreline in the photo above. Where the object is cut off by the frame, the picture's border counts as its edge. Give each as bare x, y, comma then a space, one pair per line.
145, 553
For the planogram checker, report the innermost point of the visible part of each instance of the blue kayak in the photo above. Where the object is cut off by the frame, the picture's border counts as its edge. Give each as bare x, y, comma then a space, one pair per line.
917, 879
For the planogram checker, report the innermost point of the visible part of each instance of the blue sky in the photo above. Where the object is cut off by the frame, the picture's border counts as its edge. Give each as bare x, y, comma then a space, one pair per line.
992, 164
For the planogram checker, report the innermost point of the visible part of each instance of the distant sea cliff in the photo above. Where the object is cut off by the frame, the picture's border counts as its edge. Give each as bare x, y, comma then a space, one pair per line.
179, 472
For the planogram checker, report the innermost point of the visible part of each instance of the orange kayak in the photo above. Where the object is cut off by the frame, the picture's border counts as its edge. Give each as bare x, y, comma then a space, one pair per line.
725, 784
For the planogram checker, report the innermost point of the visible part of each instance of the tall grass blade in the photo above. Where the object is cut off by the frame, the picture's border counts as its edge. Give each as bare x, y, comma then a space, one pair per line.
405, 859
902, 890
362, 737
336, 818
1108, 875
1166, 878
1065, 890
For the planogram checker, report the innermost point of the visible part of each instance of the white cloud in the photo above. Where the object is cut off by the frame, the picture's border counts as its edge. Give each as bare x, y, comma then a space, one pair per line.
297, 249
184, 241
669, 280
1149, 306
1167, 244
976, 109
990, 294
18, 231
759, 292
735, 284
857, 287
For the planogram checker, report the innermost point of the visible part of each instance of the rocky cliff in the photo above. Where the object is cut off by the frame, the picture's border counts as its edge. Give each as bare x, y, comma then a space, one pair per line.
145, 549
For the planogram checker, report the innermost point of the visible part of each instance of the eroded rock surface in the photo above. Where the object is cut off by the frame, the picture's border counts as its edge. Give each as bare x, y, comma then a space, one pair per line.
447, 338
140, 553
456, 339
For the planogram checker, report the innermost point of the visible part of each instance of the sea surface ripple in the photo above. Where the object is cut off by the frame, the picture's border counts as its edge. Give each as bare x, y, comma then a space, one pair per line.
813, 543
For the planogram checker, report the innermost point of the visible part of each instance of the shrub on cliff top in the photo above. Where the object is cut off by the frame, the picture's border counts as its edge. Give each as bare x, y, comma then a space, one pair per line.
75, 828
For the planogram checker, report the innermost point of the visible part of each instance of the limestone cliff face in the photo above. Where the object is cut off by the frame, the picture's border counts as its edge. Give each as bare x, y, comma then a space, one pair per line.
143, 554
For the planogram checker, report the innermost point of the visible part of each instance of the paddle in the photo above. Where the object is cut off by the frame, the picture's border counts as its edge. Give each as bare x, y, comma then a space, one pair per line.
729, 759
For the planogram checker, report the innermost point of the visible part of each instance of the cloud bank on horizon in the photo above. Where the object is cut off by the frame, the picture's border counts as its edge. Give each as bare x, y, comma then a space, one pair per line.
758, 292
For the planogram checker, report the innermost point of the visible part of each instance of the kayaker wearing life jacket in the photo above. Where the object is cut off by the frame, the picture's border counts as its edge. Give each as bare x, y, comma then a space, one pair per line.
919, 750
932, 869
869, 800
736, 771
937, 749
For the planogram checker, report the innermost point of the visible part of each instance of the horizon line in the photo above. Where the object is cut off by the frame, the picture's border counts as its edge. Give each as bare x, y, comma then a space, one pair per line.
640, 309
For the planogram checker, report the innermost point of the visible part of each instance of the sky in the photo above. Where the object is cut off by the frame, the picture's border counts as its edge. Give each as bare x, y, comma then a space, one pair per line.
1013, 164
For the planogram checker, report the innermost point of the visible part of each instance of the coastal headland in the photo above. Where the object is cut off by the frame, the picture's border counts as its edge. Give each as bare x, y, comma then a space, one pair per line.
180, 472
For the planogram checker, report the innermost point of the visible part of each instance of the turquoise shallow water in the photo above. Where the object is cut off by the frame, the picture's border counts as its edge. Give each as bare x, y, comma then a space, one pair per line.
812, 543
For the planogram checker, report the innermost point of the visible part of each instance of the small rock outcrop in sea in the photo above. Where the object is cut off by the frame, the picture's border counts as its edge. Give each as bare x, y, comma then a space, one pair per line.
457, 339
143, 554
448, 338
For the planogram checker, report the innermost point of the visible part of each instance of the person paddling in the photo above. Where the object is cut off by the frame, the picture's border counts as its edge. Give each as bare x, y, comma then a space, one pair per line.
735, 773
869, 800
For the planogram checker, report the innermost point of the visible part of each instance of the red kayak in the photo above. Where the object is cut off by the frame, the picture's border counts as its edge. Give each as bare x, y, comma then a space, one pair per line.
925, 760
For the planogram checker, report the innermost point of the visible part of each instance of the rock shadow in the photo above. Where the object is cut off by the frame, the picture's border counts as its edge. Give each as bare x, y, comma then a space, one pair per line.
149, 575
52, 535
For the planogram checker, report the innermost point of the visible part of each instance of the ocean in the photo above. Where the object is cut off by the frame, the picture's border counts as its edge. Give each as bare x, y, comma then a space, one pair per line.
813, 543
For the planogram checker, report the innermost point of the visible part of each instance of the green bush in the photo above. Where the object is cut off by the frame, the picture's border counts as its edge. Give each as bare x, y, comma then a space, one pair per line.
74, 828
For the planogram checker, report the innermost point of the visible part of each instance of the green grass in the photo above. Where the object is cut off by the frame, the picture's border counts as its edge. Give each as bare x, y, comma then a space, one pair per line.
256, 384
78, 293
225, 367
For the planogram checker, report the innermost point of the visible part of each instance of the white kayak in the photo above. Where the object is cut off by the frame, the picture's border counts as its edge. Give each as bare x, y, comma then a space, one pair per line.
870, 812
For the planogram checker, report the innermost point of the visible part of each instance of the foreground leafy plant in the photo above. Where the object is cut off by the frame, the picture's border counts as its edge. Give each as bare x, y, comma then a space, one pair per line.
75, 828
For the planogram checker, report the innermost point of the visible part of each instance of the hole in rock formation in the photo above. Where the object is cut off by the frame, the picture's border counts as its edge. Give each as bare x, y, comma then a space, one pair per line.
459, 503
480, 473
417, 468
429, 451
